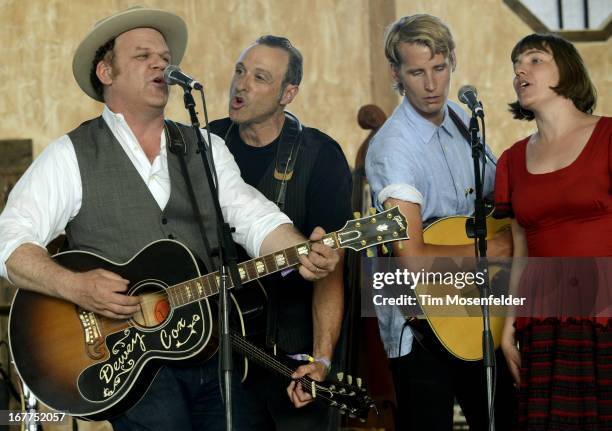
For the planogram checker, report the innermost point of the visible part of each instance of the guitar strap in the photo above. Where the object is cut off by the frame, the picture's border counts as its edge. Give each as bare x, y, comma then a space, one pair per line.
286, 155
177, 146
490, 198
460, 125
289, 143
465, 132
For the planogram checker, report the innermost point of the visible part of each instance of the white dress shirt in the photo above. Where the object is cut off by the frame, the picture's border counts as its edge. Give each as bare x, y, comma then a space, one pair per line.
49, 194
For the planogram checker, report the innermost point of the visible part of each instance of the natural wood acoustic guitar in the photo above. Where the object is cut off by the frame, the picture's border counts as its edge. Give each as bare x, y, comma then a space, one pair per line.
459, 328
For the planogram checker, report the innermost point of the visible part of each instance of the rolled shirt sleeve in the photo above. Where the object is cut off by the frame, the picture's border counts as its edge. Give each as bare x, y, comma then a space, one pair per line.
393, 173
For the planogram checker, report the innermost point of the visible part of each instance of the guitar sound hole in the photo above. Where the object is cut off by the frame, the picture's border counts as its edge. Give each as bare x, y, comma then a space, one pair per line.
154, 306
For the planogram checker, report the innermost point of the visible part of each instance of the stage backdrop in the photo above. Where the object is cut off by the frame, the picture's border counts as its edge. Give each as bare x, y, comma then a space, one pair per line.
341, 41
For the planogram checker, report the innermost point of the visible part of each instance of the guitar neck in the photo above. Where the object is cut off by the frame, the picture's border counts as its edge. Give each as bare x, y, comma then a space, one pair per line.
358, 234
263, 358
208, 285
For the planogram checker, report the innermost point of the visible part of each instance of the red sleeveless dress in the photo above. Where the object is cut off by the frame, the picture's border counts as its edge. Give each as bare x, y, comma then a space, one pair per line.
566, 368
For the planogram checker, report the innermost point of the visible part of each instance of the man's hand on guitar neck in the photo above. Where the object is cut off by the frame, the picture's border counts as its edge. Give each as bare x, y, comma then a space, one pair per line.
320, 261
316, 371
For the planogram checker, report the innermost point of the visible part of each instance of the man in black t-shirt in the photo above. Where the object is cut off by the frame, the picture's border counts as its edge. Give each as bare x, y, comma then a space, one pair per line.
303, 317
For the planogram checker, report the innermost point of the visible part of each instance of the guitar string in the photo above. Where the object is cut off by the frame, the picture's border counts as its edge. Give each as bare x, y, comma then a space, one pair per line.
293, 255
274, 364
279, 366
270, 256
216, 273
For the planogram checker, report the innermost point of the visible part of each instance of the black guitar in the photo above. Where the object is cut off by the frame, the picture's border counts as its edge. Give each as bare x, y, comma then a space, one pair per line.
348, 398
94, 367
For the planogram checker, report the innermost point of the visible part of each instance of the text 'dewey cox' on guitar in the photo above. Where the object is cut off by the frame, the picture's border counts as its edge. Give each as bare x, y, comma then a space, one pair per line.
86, 365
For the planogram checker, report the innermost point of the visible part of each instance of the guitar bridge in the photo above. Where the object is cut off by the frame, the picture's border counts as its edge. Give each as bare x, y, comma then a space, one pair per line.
91, 332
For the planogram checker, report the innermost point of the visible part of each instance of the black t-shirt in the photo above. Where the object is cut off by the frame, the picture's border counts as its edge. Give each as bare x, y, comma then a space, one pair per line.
328, 195
328, 204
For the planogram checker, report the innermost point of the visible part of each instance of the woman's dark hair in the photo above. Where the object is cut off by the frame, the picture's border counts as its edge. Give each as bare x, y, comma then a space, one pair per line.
574, 81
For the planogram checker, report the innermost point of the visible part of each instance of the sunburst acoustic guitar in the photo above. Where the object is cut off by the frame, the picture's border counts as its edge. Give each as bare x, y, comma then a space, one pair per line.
89, 366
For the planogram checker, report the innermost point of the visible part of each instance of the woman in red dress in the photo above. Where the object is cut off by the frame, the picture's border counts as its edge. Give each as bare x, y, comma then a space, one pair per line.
557, 186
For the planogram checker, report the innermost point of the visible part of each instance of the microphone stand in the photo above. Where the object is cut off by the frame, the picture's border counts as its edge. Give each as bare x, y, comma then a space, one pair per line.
476, 227
228, 257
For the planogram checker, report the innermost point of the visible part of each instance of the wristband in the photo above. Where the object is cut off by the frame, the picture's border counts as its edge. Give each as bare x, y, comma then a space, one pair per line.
307, 357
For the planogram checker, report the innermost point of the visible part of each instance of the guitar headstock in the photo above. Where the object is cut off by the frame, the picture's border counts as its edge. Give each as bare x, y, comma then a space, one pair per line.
350, 399
387, 226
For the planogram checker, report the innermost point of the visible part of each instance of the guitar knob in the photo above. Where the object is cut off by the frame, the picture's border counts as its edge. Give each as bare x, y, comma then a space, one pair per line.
358, 381
340, 376
349, 379
356, 215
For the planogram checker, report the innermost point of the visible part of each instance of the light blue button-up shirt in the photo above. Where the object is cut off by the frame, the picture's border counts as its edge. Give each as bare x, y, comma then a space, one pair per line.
412, 159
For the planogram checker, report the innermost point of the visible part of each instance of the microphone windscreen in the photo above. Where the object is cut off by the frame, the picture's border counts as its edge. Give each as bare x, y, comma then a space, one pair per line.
466, 89
168, 72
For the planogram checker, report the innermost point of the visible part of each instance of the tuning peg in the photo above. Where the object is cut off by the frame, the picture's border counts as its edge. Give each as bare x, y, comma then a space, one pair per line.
400, 245
362, 420
372, 211
370, 252
385, 250
342, 412
356, 214
349, 379
340, 376
358, 381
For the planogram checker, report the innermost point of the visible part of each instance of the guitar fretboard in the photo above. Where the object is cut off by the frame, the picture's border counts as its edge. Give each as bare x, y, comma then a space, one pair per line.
208, 285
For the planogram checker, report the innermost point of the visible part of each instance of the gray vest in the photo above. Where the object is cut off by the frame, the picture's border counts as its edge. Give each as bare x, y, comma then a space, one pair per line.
118, 214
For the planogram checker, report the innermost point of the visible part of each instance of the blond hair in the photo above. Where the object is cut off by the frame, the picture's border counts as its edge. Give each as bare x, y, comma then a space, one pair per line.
423, 29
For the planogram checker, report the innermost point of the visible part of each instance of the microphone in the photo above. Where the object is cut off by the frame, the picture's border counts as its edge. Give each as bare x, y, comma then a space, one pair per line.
468, 95
174, 75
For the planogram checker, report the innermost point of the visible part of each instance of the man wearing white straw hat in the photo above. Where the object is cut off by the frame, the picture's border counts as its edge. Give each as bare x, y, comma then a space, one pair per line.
114, 187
